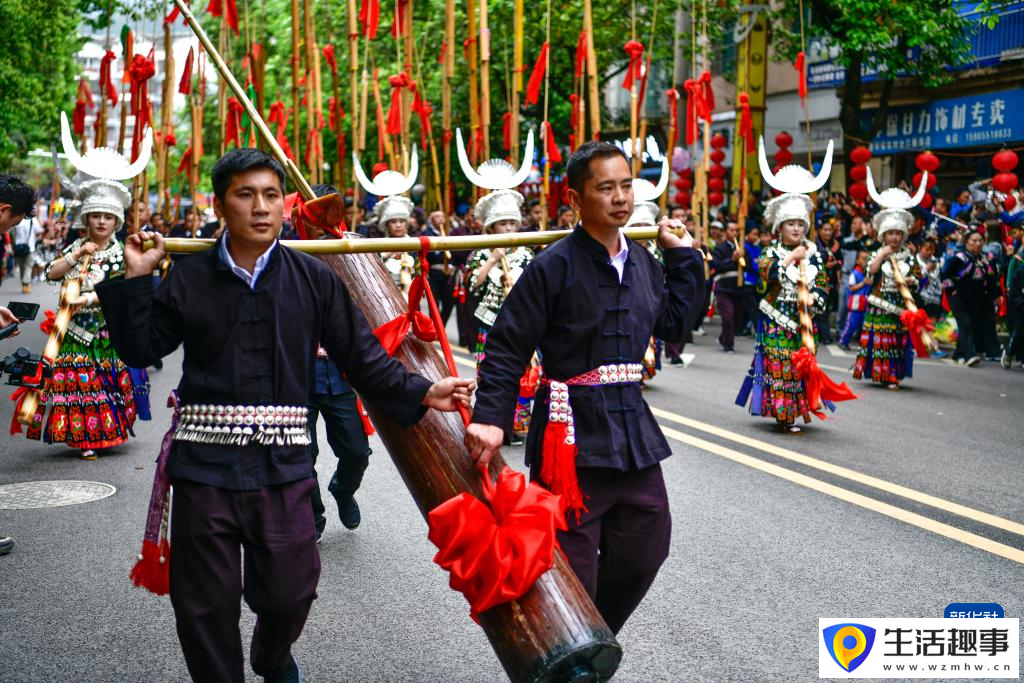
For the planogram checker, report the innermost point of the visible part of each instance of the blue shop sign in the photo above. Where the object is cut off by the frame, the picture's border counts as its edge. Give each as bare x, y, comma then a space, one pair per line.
973, 121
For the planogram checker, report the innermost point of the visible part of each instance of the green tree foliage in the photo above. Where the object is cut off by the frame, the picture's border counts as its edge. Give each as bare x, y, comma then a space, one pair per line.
38, 73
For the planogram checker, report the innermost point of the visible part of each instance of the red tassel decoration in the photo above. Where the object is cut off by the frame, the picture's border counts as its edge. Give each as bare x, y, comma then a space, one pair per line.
185, 85
394, 122
635, 50
152, 571
537, 76
368, 428
107, 87
558, 467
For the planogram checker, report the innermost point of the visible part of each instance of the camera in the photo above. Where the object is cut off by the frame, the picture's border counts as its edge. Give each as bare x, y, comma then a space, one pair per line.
25, 369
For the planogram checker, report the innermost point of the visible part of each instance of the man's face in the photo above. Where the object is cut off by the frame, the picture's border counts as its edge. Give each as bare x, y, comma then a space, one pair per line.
436, 219
253, 207
536, 213
157, 222
732, 231
963, 197
678, 213
825, 232
753, 236
606, 201
8, 219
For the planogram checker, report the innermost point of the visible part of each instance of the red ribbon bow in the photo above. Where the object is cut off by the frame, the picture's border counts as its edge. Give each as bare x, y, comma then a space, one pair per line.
819, 386
496, 549
369, 17
229, 9
634, 71
537, 76
141, 70
106, 82
917, 323
392, 333
303, 214
394, 122
746, 123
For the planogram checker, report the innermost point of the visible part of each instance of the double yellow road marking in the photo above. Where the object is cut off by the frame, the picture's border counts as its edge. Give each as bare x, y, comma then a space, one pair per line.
866, 502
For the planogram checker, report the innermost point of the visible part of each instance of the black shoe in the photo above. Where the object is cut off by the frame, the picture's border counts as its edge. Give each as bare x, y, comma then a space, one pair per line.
348, 512
290, 674
6, 544
321, 524
676, 361
158, 364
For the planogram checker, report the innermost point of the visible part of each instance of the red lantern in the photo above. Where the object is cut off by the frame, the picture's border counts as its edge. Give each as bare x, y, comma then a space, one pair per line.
783, 157
932, 180
685, 184
783, 140
1009, 203
1004, 182
926, 201
858, 191
678, 182
860, 155
859, 173
718, 141
682, 198
717, 156
718, 171
715, 198
926, 161
1005, 160
716, 184
686, 173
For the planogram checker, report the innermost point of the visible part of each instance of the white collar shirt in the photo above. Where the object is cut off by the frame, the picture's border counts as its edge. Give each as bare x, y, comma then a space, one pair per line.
619, 260
246, 277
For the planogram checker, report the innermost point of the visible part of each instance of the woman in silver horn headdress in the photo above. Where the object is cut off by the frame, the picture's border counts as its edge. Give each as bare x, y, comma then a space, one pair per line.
92, 396
886, 351
493, 272
773, 385
393, 211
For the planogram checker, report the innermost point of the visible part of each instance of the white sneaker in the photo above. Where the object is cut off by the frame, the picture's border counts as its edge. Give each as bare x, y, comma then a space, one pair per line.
699, 332
1006, 360
972, 361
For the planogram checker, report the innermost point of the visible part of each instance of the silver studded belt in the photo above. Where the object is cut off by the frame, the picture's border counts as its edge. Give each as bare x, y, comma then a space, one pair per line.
778, 316
242, 425
887, 306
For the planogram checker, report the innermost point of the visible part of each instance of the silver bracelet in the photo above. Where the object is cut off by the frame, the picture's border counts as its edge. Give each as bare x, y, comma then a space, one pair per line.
71, 260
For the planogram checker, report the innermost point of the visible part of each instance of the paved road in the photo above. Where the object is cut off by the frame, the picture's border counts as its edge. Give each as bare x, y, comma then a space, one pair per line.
898, 505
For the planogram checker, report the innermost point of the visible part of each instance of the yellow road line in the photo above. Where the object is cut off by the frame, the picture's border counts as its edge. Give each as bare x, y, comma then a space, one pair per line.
846, 473
865, 502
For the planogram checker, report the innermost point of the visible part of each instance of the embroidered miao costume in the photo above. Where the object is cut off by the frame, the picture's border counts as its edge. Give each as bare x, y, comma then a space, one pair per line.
886, 352
491, 284
773, 386
92, 397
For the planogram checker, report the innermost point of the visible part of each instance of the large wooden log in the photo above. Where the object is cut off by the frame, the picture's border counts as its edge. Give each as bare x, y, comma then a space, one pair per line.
554, 632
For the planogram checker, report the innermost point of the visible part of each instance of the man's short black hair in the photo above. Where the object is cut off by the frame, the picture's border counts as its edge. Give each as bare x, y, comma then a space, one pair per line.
21, 197
324, 189
239, 161
532, 203
578, 169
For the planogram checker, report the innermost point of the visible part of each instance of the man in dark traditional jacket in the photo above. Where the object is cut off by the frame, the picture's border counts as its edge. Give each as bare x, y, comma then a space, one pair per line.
591, 303
249, 314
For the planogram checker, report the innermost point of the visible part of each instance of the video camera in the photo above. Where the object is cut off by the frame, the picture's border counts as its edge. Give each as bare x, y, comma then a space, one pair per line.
26, 370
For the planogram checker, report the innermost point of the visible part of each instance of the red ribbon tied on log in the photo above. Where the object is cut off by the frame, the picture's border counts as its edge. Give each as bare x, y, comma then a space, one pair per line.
819, 386
537, 76
634, 70
229, 9
394, 122
495, 551
107, 86
917, 323
746, 123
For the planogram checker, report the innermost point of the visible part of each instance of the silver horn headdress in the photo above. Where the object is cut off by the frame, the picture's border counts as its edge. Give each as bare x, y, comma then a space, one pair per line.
795, 182
503, 202
894, 203
389, 185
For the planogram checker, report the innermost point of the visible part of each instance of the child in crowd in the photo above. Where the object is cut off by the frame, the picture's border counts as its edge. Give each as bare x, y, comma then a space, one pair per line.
856, 301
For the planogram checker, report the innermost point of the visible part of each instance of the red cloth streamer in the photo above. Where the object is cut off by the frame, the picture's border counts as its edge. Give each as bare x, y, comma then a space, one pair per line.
394, 123
369, 17
917, 323
368, 428
85, 93
440, 56
78, 118
801, 68
185, 85
550, 146
423, 109
581, 53
331, 59
233, 124
694, 108
229, 10
708, 95
169, 19
107, 86
634, 71
506, 129
574, 118
496, 549
185, 160
537, 76
398, 27
746, 123
819, 386
141, 70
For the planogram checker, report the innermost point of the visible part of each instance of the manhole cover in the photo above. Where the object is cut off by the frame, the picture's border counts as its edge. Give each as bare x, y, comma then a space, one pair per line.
51, 494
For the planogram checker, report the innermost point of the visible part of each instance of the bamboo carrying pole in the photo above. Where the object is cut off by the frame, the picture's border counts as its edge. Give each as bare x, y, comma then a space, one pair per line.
353, 84
908, 302
803, 297
554, 632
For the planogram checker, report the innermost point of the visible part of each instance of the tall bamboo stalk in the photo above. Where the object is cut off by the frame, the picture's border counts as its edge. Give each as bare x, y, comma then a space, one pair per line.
296, 102
446, 106
517, 76
485, 79
592, 75
471, 59
353, 84
546, 185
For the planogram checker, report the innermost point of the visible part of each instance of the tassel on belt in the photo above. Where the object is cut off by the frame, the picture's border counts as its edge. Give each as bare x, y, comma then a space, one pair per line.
558, 465
242, 425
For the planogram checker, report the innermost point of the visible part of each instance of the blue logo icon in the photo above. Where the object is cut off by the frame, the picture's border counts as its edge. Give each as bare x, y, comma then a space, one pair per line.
849, 644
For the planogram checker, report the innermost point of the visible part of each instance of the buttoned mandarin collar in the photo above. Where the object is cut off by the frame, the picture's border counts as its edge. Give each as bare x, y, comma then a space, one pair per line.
228, 263
600, 252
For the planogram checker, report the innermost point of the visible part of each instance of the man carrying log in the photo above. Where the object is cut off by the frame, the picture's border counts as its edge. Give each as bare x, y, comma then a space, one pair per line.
591, 304
250, 315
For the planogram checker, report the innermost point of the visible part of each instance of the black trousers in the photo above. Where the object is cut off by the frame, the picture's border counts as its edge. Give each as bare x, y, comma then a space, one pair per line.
347, 439
211, 529
732, 310
619, 544
441, 288
976, 326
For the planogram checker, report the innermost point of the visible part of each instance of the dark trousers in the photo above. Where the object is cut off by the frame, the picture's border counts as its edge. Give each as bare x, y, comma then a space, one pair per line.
732, 311
274, 528
976, 327
465, 321
619, 544
1016, 343
441, 288
347, 439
